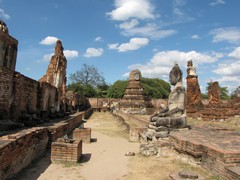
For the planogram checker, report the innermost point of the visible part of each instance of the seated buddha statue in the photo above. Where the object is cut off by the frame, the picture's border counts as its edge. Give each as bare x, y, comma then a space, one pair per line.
174, 116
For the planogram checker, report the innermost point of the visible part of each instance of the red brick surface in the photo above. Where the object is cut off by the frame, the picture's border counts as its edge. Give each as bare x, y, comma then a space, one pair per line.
66, 152
217, 148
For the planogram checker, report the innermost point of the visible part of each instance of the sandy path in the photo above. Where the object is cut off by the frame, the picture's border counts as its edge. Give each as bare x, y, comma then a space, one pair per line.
103, 159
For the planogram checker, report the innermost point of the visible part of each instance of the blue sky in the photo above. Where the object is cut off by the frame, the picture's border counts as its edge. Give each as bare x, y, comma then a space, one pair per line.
117, 36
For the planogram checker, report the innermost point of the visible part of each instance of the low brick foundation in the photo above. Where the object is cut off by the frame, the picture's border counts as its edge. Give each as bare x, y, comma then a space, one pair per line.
217, 148
82, 133
19, 149
62, 151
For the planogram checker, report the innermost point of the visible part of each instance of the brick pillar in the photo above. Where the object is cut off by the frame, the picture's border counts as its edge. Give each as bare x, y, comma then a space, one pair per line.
62, 151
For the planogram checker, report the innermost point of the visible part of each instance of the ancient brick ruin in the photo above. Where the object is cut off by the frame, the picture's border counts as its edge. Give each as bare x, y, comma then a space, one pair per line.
56, 75
194, 102
134, 100
24, 101
66, 150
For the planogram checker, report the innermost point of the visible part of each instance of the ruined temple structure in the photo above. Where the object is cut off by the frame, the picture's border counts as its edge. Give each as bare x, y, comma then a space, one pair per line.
8, 48
193, 100
56, 75
214, 93
134, 100
24, 101
218, 109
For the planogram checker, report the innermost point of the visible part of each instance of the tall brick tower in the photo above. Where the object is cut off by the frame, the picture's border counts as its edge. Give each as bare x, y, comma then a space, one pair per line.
8, 48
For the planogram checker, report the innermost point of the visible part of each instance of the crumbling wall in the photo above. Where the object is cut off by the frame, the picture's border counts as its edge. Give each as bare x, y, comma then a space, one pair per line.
25, 96
47, 97
6, 80
18, 150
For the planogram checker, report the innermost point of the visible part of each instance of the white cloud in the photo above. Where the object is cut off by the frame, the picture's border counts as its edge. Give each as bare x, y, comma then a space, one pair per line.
230, 34
149, 30
217, 2
3, 14
93, 52
133, 44
229, 69
49, 40
98, 39
70, 54
126, 9
129, 24
195, 36
235, 53
162, 62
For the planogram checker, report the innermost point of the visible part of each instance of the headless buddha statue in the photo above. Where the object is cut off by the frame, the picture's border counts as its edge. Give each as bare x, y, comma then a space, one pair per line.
174, 116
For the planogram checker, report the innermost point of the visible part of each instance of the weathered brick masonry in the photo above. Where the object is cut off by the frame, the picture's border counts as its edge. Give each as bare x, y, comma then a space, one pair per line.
17, 150
66, 151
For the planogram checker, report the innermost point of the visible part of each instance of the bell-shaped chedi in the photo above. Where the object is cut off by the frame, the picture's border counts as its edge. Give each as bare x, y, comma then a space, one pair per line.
134, 100
194, 102
56, 72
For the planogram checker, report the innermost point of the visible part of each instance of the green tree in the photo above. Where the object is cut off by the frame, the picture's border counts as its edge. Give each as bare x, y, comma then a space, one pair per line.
153, 88
87, 91
88, 76
117, 89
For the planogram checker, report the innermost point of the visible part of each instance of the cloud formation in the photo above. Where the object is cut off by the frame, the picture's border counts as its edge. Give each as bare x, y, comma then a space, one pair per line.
4, 15
217, 2
235, 53
150, 30
126, 9
161, 63
98, 39
93, 52
49, 40
230, 35
70, 54
133, 44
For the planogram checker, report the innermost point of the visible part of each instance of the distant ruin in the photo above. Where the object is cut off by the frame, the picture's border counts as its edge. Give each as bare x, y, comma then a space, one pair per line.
134, 100
24, 101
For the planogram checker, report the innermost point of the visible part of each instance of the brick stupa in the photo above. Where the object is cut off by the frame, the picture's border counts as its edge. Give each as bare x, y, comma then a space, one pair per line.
134, 100
194, 102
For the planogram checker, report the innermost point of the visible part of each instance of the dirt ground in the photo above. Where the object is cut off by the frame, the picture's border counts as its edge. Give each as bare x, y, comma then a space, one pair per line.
104, 158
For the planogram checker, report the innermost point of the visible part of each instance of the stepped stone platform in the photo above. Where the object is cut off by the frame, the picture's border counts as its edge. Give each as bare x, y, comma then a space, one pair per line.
218, 148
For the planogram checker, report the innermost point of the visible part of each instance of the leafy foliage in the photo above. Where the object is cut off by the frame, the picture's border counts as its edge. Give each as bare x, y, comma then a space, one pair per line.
87, 91
153, 88
117, 89
156, 88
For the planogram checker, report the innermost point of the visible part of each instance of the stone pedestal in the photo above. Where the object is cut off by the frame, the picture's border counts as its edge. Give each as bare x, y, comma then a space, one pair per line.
62, 151
82, 133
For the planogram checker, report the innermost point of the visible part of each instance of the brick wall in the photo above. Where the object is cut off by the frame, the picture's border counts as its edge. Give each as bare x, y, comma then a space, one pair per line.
66, 151
25, 92
65, 127
6, 80
18, 150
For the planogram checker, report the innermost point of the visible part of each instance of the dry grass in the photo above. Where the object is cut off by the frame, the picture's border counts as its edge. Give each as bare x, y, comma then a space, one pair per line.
233, 123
